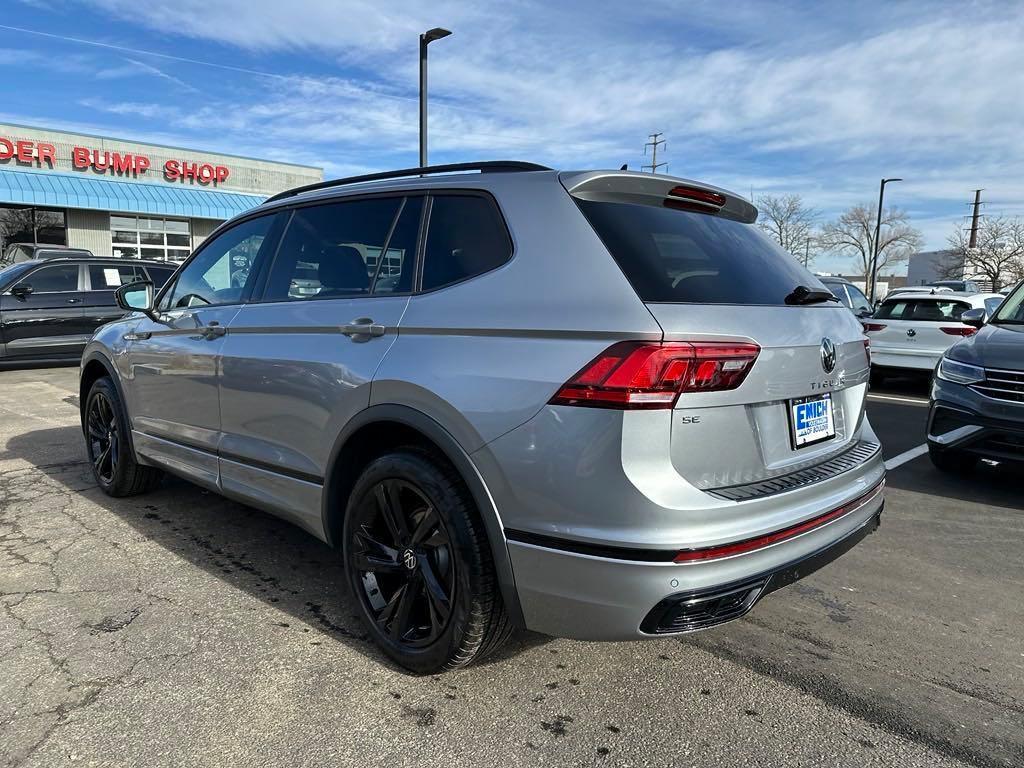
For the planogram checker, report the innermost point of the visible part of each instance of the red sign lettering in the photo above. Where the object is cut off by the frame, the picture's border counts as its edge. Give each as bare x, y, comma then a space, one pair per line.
115, 163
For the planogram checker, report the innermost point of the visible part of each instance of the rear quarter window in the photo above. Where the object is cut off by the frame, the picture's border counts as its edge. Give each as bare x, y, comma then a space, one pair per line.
466, 237
923, 310
678, 256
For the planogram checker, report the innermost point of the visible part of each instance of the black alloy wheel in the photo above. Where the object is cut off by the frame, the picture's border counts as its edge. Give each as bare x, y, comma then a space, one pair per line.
109, 446
419, 563
402, 557
103, 434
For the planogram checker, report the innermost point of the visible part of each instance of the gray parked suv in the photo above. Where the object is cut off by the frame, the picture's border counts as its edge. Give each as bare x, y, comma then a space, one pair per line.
599, 405
977, 399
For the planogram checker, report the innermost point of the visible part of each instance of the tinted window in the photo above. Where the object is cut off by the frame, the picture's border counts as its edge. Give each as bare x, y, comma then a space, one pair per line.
1012, 308
159, 276
991, 305
922, 310
858, 300
54, 279
465, 237
332, 250
395, 273
837, 291
110, 277
223, 272
892, 309
680, 256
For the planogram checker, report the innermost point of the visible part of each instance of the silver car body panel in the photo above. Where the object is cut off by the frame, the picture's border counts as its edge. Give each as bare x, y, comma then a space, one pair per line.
258, 412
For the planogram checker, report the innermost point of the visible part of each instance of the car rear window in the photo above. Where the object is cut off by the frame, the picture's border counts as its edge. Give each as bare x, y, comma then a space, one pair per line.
695, 258
922, 310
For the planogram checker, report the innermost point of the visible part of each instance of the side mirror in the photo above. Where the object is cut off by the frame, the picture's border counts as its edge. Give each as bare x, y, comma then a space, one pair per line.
21, 291
136, 297
973, 317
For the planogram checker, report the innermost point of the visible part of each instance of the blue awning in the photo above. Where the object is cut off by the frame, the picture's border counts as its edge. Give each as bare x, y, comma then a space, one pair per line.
99, 194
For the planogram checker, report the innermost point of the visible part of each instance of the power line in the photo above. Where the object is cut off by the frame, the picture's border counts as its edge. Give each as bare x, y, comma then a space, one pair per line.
654, 143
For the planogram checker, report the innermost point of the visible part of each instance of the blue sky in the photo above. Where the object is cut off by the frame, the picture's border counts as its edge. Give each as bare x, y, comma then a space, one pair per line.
815, 98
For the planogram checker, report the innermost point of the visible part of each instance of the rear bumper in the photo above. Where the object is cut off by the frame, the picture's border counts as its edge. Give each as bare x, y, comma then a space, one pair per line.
589, 597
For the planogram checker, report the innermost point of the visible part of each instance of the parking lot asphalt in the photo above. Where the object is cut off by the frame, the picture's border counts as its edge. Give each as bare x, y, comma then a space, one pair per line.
178, 628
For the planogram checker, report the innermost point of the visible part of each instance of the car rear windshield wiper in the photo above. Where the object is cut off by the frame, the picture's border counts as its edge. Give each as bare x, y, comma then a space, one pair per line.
804, 295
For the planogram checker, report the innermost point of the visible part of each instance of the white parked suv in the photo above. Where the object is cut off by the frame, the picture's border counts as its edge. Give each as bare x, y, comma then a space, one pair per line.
912, 330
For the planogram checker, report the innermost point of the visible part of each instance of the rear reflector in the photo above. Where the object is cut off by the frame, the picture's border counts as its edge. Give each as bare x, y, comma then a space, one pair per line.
869, 327
759, 542
636, 374
968, 331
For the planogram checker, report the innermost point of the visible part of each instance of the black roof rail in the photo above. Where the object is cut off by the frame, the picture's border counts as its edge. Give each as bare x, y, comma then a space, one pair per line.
490, 166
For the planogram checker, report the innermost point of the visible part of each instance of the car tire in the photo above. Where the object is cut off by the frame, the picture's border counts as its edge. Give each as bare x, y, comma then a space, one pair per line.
108, 444
418, 562
952, 461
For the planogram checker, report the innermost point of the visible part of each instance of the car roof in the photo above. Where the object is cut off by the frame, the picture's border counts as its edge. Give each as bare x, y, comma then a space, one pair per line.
101, 260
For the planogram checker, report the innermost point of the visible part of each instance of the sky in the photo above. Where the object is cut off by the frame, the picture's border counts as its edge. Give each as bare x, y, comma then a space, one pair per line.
820, 99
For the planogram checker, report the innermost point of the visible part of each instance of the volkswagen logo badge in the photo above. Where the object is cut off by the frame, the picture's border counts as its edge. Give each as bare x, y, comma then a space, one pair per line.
828, 355
409, 559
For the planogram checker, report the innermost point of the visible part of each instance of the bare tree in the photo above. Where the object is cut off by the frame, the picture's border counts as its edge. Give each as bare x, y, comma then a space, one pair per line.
998, 254
853, 234
790, 223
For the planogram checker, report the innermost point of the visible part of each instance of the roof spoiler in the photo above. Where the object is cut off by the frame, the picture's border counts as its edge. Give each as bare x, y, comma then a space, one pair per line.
657, 190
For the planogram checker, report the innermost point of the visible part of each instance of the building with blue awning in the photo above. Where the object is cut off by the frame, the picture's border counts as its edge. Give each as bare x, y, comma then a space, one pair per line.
125, 198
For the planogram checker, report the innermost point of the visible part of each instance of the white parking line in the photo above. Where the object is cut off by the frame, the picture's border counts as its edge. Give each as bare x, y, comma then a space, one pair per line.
906, 456
911, 400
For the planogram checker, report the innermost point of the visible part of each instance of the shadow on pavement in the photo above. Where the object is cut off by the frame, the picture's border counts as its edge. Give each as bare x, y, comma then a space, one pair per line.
246, 548
997, 486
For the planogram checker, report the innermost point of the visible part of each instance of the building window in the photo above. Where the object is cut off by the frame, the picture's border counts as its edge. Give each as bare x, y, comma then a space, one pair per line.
149, 237
28, 224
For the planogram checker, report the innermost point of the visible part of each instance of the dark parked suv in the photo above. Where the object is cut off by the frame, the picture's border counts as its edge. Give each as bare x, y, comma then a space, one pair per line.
15, 253
50, 307
977, 402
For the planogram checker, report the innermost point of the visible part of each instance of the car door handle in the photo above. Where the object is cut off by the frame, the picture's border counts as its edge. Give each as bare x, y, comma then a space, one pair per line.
137, 336
212, 331
74, 301
363, 326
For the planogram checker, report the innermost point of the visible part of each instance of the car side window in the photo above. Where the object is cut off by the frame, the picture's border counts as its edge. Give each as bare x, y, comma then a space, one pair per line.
465, 237
991, 305
224, 271
158, 276
60, 278
333, 250
110, 277
859, 302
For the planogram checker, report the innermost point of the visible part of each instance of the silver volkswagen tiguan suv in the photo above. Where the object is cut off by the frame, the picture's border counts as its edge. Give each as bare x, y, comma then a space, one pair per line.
598, 405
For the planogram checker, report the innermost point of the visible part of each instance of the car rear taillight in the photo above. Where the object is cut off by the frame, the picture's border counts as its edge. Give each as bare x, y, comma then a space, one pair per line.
959, 331
867, 349
869, 327
637, 374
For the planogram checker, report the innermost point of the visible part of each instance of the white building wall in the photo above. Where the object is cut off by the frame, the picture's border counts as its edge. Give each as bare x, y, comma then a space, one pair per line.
89, 230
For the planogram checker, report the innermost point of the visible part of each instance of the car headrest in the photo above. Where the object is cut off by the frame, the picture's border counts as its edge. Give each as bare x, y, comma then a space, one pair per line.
342, 270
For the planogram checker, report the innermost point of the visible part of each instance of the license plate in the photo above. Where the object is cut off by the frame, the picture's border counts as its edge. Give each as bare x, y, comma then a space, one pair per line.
812, 420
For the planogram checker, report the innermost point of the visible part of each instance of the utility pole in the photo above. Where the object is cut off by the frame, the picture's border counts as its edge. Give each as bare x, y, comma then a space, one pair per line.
973, 242
654, 143
807, 251
878, 234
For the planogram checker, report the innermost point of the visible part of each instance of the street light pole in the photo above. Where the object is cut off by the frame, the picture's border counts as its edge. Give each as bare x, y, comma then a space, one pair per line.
426, 39
878, 230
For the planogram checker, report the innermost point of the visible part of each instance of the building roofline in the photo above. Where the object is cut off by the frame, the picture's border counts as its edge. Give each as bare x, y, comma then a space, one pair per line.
162, 146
